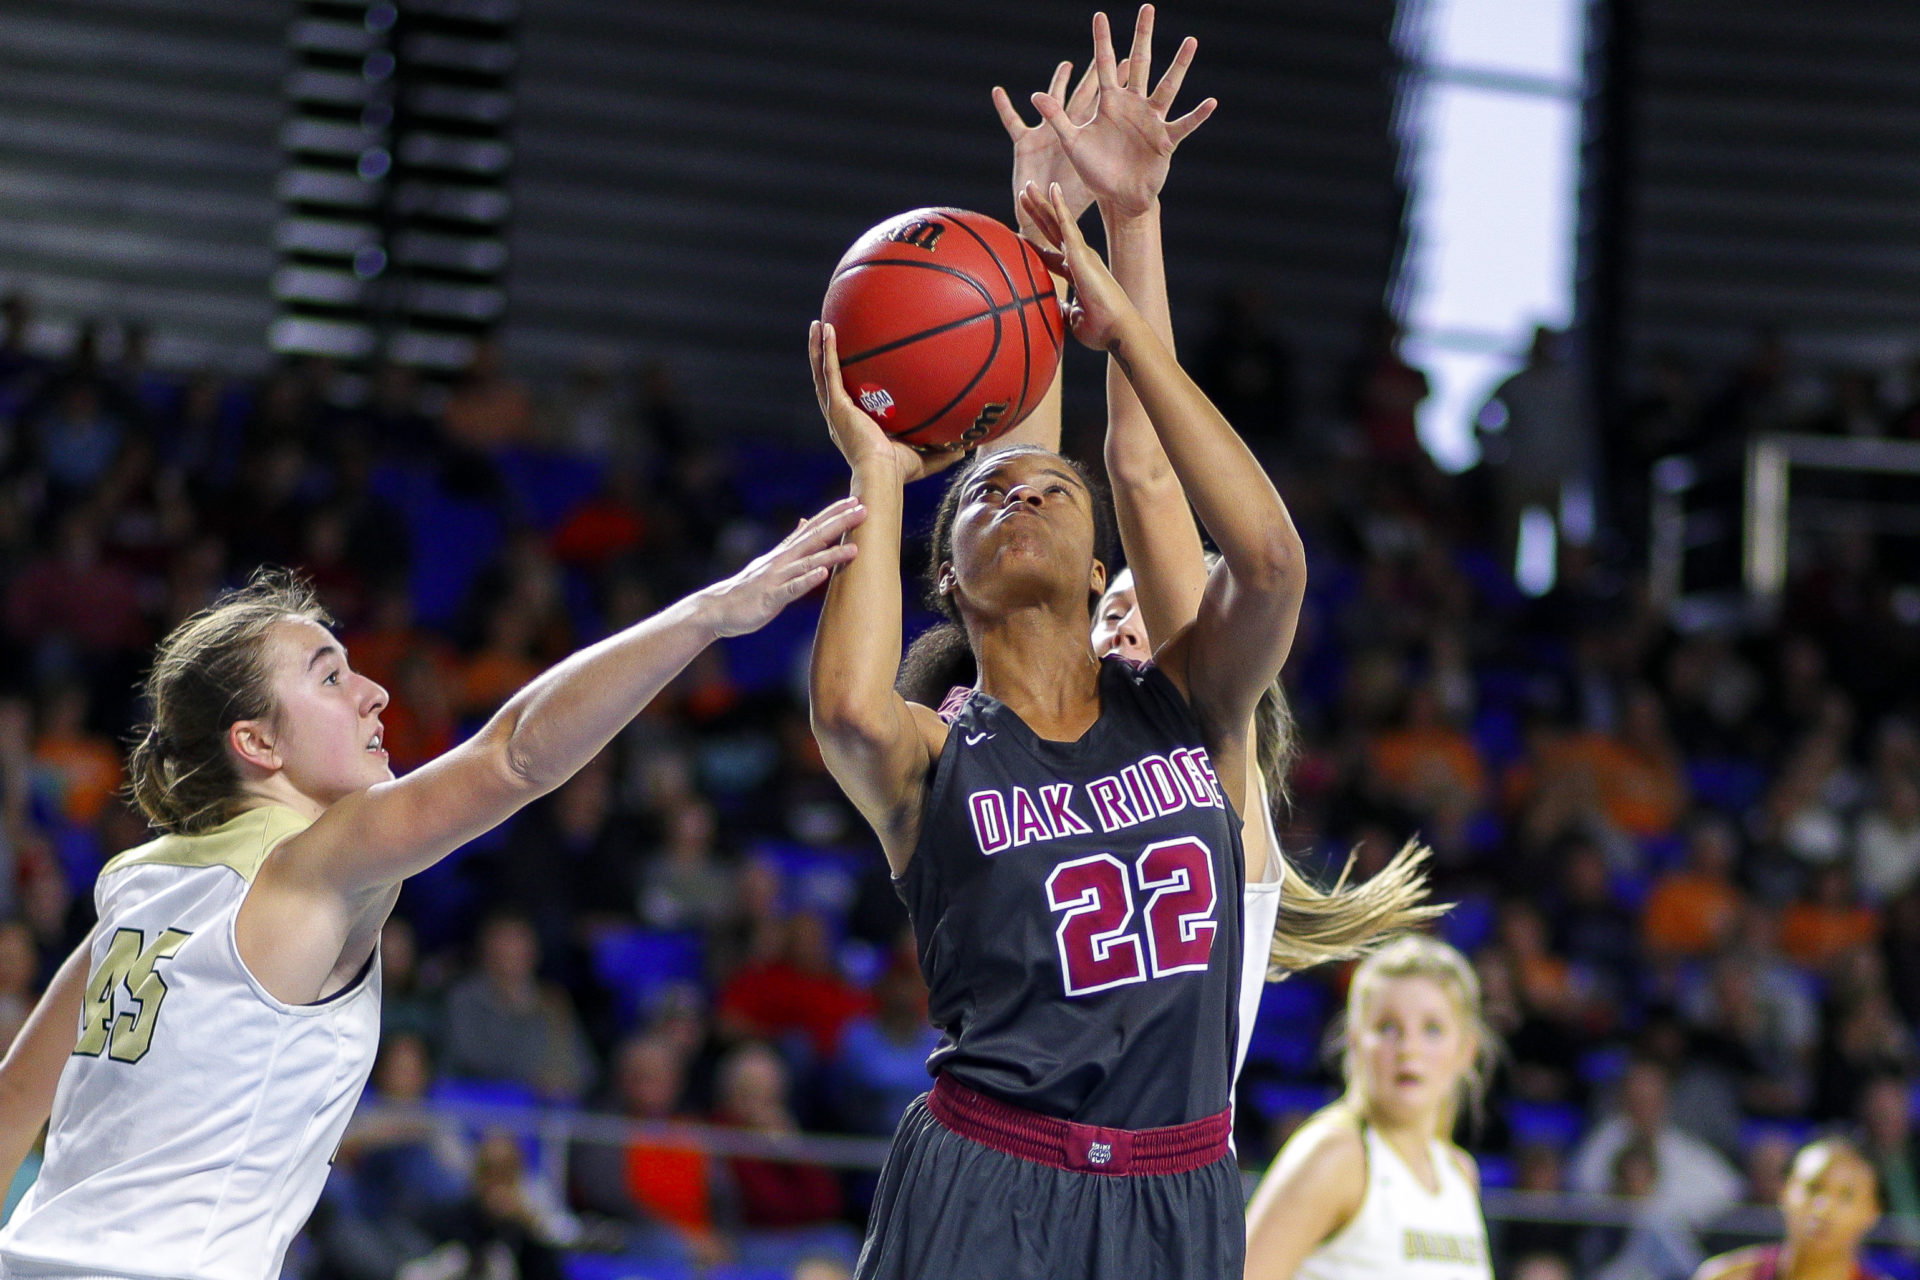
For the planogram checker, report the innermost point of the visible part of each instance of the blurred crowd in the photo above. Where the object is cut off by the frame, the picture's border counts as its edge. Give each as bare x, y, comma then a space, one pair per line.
1686, 861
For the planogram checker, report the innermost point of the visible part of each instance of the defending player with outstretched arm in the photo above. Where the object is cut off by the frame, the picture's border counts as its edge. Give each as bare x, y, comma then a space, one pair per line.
201, 1052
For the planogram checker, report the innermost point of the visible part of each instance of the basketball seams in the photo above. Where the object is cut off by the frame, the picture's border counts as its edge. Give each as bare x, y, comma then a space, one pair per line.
1026, 265
1013, 291
999, 309
986, 366
954, 346
896, 343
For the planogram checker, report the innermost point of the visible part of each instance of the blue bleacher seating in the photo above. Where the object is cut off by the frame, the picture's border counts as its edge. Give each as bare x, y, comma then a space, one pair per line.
764, 661
1288, 1030
1469, 925
601, 1266
816, 879
634, 964
1663, 853
546, 486
1273, 1099
773, 481
451, 539
1730, 785
1598, 1068
490, 1093
1796, 1132
1496, 1172
1895, 1264
1556, 1124
1496, 736
483, 1093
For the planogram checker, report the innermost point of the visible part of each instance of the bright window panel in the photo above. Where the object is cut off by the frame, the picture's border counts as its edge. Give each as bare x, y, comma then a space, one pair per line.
1459, 383
1493, 213
1543, 38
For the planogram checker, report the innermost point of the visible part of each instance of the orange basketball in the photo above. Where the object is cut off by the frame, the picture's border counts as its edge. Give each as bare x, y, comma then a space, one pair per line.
949, 329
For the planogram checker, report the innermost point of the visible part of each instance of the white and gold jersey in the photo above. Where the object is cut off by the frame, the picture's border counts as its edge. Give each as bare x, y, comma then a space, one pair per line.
1260, 912
1404, 1230
194, 1123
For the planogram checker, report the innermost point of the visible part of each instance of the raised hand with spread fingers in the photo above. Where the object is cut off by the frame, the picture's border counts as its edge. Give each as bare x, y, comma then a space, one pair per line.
1122, 153
1037, 156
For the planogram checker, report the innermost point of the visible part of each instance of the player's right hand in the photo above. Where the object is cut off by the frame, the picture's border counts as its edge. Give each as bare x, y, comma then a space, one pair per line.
1123, 153
855, 433
1100, 309
804, 560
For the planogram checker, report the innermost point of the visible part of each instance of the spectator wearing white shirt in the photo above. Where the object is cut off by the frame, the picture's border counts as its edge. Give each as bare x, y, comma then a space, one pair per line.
1693, 1181
1886, 845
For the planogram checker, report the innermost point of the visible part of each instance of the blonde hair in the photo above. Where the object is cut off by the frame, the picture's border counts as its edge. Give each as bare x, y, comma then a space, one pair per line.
1416, 955
209, 672
1322, 926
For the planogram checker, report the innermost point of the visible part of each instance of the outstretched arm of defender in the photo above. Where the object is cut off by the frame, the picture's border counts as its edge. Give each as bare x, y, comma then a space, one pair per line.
366, 842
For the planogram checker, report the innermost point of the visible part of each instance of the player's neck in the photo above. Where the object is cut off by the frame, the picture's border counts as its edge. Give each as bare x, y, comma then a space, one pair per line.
1412, 1141
278, 790
1044, 671
1800, 1263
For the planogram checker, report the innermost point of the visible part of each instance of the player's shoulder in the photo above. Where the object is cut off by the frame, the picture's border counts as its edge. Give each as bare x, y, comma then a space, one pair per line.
1332, 1142
1325, 1162
1149, 686
1741, 1264
1465, 1163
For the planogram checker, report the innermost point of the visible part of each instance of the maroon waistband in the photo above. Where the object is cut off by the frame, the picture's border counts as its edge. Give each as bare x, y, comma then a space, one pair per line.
1081, 1148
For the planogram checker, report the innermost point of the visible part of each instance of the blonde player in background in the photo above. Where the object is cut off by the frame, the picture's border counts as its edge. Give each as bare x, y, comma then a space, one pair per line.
201, 1052
1372, 1186
1830, 1202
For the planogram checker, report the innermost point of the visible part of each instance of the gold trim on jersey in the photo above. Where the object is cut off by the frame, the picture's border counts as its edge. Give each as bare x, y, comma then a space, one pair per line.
240, 844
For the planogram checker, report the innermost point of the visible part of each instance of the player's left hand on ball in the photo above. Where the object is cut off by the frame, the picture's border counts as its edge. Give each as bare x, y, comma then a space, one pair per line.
804, 560
1099, 304
858, 437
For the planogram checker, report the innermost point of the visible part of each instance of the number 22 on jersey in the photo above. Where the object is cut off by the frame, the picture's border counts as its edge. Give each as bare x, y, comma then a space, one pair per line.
1095, 894
130, 964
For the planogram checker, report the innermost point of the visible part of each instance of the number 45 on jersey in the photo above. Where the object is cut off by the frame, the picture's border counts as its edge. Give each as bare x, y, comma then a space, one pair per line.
1096, 894
131, 964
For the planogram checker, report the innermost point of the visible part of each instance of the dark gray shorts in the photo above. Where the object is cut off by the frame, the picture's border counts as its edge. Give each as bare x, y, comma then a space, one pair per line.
949, 1208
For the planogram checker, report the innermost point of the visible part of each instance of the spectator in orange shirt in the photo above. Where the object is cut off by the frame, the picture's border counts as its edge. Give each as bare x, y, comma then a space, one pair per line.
420, 723
609, 525
1693, 911
1828, 920
487, 411
391, 634
1644, 785
79, 769
661, 1187
505, 661
1425, 763
1546, 980
1635, 780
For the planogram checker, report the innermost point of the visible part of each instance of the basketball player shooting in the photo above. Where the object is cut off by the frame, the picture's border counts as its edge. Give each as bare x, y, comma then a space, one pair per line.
1063, 836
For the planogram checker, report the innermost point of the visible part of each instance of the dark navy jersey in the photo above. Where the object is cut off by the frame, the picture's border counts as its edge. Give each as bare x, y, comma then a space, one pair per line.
1077, 909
